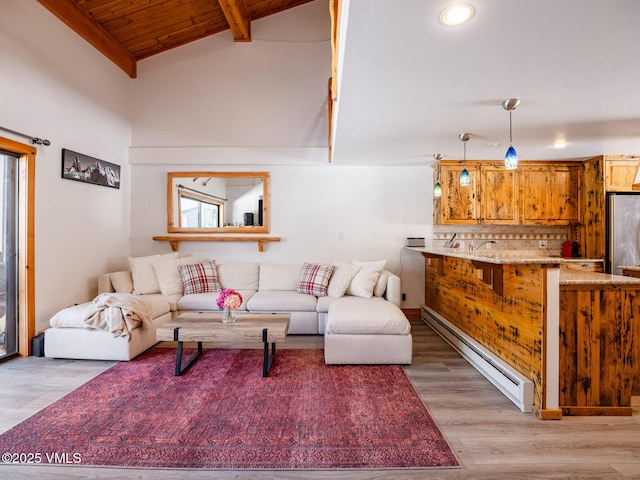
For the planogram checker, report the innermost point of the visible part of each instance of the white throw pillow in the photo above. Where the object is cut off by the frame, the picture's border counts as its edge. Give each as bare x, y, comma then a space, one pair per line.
144, 276
168, 275
365, 280
341, 278
381, 284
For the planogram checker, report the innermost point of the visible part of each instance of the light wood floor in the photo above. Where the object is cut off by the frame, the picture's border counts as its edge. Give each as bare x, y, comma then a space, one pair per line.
492, 438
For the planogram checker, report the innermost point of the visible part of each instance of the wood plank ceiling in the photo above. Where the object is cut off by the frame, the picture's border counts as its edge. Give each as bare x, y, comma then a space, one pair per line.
130, 30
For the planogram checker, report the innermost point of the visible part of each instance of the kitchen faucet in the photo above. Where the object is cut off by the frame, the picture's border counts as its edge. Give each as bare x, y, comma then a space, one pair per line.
451, 243
472, 248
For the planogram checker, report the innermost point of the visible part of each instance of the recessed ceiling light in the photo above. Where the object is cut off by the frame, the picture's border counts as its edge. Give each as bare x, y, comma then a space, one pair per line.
457, 14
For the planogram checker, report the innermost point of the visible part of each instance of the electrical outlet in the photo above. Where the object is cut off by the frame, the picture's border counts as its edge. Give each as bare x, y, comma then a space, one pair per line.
404, 296
542, 244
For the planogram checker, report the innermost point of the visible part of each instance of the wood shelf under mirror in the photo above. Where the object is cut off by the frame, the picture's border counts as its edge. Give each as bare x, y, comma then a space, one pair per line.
174, 240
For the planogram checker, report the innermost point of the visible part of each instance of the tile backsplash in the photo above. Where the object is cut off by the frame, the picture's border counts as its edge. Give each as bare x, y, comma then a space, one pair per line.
508, 237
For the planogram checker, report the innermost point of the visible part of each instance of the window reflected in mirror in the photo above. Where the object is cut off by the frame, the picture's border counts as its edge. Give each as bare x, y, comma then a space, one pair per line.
197, 211
224, 202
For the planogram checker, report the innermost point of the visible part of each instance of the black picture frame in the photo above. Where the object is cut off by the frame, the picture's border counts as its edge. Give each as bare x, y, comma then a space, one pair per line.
83, 168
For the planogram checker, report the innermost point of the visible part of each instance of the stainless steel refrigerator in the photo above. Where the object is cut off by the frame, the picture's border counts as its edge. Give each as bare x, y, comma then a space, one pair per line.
623, 231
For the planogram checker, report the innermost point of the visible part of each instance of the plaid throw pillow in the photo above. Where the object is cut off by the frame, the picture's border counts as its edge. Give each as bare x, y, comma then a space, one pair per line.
315, 279
200, 278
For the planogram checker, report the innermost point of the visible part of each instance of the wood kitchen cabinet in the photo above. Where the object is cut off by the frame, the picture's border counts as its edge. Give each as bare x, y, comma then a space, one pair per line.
620, 172
458, 204
499, 195
602, 174
551, 194
491, 197
544, 193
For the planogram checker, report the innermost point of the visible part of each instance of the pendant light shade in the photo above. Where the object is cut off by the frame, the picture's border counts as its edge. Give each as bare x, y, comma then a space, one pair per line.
437, 188
511, 157
465, 179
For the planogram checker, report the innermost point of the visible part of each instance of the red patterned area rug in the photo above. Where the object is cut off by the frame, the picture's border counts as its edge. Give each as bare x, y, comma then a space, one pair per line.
223, 414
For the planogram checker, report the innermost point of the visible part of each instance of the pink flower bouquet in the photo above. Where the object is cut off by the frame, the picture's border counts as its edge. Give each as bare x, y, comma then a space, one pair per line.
229, 300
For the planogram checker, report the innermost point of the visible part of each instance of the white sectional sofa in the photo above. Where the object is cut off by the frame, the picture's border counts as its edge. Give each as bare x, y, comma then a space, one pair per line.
68, 336
357, 309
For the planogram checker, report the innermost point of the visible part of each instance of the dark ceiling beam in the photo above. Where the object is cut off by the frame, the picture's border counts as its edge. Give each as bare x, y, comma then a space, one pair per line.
235, 11
82, 23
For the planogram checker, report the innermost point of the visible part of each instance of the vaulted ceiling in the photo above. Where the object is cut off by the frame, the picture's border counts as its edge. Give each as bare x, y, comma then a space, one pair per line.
408, 85
130, 30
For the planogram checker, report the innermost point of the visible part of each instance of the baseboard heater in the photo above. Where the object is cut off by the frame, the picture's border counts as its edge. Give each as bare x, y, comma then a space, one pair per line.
515, 386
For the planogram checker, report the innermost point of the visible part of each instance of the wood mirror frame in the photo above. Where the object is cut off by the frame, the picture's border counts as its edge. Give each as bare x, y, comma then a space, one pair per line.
220, 191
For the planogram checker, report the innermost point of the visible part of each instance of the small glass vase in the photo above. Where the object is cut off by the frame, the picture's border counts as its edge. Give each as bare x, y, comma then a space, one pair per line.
228, 316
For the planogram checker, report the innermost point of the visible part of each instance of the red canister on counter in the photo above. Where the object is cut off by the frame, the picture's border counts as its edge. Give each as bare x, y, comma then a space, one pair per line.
570, 249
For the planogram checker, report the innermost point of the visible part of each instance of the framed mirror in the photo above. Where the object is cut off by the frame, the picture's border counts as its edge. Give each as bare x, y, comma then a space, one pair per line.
218, 202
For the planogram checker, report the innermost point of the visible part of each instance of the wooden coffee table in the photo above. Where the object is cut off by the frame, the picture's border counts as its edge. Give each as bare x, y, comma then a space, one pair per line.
208, 327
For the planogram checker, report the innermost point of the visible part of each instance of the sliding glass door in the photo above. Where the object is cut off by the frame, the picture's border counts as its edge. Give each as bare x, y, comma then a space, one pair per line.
9, 168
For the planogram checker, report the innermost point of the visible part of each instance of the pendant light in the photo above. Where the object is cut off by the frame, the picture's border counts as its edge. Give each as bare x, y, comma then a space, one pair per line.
437, 189
511, 157
464, 176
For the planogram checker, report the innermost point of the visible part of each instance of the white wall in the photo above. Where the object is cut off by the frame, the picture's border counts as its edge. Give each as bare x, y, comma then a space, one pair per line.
323, 213
55, 85
223, 106
270, 92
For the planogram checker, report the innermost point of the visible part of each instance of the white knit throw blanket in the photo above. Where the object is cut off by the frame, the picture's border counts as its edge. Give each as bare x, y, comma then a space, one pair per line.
118, 313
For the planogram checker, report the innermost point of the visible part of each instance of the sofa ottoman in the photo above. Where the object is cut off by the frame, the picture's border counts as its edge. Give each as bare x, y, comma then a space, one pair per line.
367, 331
69, 337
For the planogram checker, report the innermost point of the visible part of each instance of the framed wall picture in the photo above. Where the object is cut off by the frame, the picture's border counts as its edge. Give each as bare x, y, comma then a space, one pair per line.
83, 168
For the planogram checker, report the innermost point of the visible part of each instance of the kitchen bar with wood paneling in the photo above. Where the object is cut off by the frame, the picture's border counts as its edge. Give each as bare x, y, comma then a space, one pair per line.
574, 334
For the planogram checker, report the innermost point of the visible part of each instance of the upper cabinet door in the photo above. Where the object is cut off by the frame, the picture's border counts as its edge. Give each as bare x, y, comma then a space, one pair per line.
566, 195
551, 194
620, 174
459, 204
499, 199
535, 194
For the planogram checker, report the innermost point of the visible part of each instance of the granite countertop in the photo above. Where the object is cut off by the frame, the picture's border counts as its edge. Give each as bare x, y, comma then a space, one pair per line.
570, 277
499, 257
516, 257
586, 260
634, 268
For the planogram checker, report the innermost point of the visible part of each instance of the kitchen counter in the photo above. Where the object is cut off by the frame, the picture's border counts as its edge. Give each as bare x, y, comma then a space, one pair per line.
630, 270
569, 330
511, 257
498, 257
568, 277
533, 257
